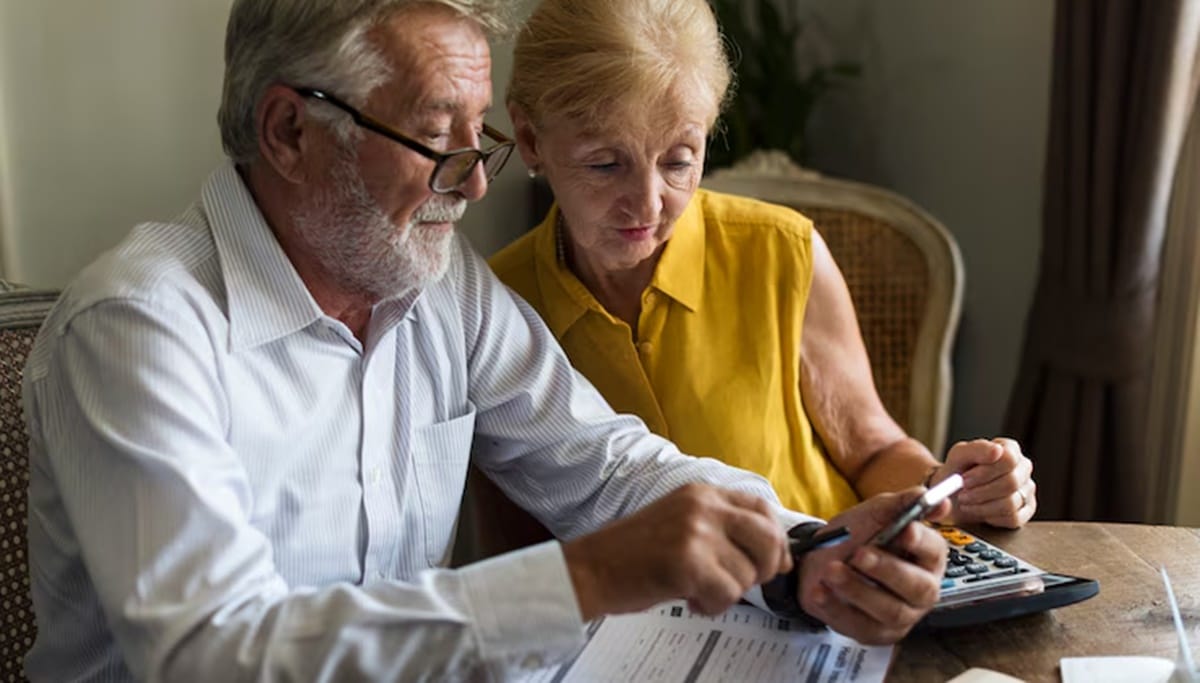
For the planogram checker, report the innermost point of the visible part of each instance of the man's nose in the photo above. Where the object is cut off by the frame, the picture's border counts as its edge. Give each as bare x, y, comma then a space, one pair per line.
475, 185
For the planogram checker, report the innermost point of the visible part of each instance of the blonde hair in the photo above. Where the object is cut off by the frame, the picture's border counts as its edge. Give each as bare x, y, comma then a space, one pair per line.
314, 43
583, 59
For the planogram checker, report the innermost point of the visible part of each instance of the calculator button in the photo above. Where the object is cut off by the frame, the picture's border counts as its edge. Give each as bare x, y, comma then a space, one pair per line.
960, 559
947, 583
977, 568
1005, 562
989, 554
994, 575
964, 538
955, 572
975, 547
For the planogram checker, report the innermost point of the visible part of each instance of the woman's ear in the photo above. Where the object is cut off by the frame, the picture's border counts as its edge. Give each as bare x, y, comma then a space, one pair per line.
526, 137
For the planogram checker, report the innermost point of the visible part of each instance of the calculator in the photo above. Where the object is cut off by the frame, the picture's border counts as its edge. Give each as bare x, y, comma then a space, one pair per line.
983, 583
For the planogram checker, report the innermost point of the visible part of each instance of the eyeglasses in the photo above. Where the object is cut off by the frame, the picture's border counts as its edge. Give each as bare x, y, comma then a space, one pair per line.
452, 168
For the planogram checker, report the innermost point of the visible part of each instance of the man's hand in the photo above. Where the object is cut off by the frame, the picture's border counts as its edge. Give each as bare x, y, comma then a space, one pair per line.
868, 593
998, 487
701, 543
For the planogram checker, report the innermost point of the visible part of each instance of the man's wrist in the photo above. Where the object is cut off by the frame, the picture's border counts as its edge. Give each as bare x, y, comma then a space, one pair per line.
583, 581
782, 593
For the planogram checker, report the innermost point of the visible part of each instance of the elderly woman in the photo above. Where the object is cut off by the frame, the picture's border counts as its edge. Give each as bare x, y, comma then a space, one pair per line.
722, 322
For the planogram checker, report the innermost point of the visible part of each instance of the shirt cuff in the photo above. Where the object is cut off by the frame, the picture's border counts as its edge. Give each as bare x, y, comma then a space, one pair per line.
526, 607
789, 518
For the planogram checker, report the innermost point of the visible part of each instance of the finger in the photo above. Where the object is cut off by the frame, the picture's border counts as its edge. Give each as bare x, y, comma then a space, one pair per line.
759, 539
1022, 514
981, 475
880, 608
886, 588
884, 508
1027, 512
820, 601
941, 512
867, 518
1006, 453
820, 598
921, 546
738, 567
1011, 511
967, 454
1001, 486
715, 591
1008, 444
1004, 512
785, 559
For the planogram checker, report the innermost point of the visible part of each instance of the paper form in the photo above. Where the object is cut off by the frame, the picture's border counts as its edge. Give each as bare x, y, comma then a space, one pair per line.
671, 644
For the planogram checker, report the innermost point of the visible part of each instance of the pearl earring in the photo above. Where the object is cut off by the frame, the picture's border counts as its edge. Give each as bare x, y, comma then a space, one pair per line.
533, 173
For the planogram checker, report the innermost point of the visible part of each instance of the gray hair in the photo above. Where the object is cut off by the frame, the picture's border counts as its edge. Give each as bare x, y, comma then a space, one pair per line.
315, 43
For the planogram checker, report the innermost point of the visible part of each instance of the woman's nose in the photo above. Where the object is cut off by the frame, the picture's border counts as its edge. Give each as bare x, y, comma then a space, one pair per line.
643, 197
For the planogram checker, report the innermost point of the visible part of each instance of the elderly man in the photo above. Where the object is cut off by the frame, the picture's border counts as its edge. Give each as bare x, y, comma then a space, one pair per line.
251, 426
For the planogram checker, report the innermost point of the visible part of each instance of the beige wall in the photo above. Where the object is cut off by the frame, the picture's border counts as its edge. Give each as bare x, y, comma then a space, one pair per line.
108, 118
951, 111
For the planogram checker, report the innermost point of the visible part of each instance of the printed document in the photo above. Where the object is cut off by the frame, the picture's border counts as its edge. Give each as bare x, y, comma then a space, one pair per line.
669, 643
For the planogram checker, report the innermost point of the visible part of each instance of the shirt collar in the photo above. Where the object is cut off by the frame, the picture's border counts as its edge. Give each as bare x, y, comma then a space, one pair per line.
679, 273
680, 270
266, 297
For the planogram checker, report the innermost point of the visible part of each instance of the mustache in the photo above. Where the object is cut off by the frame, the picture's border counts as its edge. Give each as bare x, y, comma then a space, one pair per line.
440, 210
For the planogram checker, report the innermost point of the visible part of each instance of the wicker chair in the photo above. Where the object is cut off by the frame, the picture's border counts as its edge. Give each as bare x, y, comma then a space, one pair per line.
904, 272
21, 314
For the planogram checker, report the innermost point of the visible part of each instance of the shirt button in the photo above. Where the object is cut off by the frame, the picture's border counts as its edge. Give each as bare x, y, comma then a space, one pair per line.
374, 475
645, 348
532, 662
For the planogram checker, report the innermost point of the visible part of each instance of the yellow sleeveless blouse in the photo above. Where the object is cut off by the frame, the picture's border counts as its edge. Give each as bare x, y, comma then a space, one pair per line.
716, 365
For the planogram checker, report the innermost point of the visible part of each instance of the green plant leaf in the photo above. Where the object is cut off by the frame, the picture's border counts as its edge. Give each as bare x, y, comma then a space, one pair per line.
774, 99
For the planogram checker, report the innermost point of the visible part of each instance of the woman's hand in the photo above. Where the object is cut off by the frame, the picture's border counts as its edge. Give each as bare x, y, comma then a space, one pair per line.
998, 486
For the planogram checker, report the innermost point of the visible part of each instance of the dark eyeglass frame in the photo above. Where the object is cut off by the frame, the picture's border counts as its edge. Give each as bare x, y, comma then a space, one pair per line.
500, 152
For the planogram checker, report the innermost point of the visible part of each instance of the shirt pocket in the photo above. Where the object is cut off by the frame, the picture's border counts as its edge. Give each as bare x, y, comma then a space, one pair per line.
441, 453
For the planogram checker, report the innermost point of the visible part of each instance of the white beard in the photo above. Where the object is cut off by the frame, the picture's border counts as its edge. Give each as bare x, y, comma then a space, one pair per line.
359, 246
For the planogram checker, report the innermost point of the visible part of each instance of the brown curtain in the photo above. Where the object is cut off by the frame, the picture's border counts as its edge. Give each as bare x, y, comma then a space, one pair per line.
1123, 88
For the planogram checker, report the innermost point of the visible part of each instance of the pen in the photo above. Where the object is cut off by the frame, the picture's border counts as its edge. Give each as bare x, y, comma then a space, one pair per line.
824, 539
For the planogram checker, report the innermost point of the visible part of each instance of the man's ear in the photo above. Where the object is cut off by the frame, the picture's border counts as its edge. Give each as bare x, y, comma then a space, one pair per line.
284, 132
526, 137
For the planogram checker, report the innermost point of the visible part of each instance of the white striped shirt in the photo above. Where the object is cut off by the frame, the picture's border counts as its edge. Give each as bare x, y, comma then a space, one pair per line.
226, 485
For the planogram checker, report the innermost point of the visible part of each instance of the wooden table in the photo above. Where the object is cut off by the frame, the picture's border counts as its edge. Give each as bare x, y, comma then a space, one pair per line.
1130, 616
